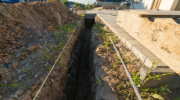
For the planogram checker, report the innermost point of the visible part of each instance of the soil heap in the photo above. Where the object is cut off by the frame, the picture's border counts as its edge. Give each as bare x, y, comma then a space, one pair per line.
24, 29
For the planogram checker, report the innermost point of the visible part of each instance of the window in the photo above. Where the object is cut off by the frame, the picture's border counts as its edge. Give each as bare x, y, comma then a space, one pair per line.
136, 1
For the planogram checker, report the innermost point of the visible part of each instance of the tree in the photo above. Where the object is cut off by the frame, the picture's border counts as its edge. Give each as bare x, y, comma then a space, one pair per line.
76, 4
82, 5
86, 7
91, 6
66, 3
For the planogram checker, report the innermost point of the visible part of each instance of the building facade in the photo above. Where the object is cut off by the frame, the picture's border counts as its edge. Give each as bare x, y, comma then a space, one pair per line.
109, 2
157, 4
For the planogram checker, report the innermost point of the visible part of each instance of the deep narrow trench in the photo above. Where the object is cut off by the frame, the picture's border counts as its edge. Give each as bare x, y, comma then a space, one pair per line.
79, 81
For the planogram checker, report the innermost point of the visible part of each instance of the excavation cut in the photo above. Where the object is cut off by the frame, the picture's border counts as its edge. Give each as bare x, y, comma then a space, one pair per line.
32, 35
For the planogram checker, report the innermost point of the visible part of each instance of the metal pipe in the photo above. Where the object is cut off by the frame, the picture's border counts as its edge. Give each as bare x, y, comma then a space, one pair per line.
127, 72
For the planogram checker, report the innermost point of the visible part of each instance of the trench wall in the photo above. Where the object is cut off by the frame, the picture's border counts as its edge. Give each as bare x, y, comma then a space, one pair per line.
55, 84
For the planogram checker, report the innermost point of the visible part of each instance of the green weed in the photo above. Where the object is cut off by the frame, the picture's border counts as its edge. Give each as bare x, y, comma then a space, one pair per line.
47, 56
63, 65
55, 34
119, 62
31, 87
48, 66
156, 77
27, 71
98, 80
14, 84
114, 40
2, 85
114, 67
119, 86
29, 77
124, 59
136, 79
133, 62
83, 15
177, 98
151, 92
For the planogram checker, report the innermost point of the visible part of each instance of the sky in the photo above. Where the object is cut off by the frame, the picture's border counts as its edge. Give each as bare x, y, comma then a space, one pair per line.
84, 1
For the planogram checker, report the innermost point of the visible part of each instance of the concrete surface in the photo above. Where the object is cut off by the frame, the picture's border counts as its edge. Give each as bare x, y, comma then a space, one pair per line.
109, 17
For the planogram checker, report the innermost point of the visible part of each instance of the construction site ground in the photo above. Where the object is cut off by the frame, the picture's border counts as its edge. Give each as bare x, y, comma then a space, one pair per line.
48, 52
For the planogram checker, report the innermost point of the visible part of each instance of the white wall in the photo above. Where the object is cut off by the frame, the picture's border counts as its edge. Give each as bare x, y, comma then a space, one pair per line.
166, 4
143, 4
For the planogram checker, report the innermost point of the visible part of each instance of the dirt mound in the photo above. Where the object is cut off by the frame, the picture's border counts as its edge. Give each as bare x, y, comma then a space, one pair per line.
15, 19
27, 44
160, 36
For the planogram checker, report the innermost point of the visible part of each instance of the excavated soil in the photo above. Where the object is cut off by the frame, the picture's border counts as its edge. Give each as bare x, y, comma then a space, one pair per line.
160, 35
30, 41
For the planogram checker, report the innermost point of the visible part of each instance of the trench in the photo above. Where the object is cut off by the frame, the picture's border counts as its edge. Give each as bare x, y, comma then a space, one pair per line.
80, 75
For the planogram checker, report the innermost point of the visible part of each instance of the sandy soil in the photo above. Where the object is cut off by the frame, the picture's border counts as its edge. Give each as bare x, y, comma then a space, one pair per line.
160, 36
97, 8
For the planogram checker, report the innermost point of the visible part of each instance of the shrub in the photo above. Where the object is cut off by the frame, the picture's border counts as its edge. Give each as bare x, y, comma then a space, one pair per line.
66, 3
76, 4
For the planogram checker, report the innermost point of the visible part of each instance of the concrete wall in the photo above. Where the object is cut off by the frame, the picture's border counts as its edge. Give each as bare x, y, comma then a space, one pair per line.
143, 4
166, 4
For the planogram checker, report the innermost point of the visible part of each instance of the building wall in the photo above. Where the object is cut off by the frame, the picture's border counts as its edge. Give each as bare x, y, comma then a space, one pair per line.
71, 5
143, 4
116, 3
103, 3
166, 4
